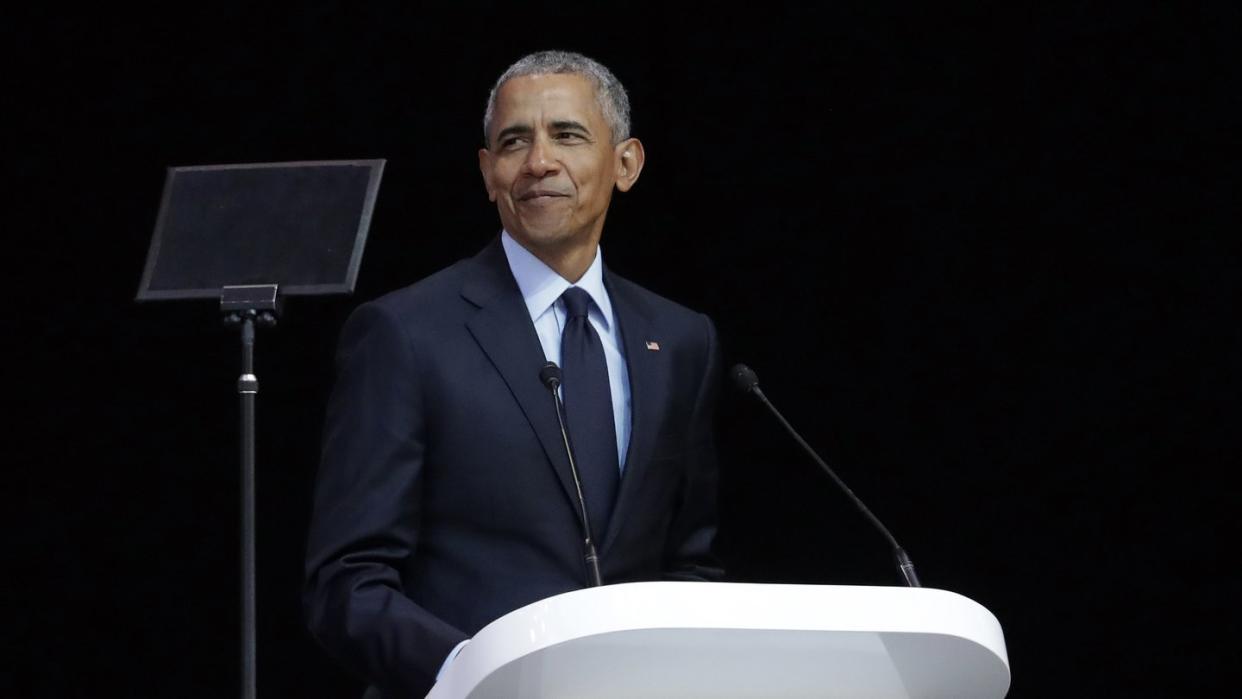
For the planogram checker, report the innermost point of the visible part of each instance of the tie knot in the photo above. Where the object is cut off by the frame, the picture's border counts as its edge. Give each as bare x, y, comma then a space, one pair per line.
577, 301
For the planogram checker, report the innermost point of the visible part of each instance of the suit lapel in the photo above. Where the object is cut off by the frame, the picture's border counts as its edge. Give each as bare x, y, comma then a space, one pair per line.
504, 331
648, 384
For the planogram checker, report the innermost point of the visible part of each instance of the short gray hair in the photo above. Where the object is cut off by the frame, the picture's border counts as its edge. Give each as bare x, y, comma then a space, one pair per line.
613, 101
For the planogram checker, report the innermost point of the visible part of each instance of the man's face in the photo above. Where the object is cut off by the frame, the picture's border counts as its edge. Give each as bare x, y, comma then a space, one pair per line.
550, 166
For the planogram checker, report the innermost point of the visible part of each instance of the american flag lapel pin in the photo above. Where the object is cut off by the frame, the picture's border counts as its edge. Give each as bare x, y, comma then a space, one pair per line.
653, 345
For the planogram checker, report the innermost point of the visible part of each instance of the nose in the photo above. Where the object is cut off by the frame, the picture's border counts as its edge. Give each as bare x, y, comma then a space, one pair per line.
539, 159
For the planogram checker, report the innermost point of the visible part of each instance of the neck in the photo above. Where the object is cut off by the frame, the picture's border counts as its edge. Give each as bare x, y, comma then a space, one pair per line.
570, 264
570, 258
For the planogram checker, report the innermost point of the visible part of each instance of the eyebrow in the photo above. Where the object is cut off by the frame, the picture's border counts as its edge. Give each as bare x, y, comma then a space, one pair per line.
568, 124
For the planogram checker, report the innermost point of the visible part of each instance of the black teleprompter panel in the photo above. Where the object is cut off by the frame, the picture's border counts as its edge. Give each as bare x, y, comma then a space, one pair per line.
300, 225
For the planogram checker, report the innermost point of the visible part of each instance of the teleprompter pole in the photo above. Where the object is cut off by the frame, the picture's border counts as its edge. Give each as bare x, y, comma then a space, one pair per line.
246, 307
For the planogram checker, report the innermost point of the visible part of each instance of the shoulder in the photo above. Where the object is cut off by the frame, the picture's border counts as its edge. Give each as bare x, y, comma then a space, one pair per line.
426, 310
658, 309
427, 295
452, 293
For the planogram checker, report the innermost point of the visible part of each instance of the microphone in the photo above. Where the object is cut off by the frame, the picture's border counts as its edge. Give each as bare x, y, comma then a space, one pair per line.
747, 382
550, 377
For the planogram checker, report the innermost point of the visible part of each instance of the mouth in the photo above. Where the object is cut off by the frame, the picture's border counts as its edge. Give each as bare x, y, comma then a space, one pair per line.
541, 195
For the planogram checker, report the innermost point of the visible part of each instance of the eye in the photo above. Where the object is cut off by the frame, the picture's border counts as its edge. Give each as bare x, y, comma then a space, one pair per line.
511, 142
569, 136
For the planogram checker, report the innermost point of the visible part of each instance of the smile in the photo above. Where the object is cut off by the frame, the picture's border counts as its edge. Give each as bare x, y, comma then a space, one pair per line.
540, 196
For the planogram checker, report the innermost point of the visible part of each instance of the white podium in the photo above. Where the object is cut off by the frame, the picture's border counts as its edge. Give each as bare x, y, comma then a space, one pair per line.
673, 640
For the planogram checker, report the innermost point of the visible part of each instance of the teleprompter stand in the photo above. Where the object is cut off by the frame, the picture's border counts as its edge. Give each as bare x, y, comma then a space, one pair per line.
250, 235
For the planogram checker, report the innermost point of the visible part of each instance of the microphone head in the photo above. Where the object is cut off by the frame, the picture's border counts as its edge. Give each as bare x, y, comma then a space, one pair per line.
550, 376
744, 378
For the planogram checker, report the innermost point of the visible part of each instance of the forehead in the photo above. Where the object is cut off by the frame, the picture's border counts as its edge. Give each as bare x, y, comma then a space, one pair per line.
538, 99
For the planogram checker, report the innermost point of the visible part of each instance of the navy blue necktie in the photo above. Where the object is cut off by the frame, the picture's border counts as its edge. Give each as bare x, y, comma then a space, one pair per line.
588, 410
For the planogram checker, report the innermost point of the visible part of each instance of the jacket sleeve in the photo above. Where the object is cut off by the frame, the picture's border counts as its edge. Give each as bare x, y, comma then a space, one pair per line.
688, 552
365, 518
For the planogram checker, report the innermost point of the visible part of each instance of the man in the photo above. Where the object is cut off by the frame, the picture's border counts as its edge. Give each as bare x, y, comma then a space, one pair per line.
444, 498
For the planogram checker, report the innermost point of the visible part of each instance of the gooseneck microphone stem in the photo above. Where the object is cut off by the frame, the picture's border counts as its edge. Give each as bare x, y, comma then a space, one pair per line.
748, 382
550, 375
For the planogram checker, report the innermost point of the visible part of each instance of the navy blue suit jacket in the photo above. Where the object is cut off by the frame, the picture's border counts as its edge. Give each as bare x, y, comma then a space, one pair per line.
444, 498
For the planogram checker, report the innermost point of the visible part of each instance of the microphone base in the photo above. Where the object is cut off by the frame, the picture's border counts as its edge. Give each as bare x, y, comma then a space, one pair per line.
906, 566
592, 561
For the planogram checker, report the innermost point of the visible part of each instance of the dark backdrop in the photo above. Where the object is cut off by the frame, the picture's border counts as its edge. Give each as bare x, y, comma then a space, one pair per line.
984, 259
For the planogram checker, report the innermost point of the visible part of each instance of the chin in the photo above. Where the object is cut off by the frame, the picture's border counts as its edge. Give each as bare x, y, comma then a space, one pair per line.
543, 236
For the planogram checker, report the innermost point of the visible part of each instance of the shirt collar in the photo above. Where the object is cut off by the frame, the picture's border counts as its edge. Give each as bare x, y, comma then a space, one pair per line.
541, 286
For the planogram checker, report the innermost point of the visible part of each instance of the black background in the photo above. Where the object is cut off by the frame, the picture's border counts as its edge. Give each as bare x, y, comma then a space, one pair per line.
985, 259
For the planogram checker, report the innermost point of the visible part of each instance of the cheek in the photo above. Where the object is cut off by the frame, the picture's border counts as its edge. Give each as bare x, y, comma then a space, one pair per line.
501, 180
595, 191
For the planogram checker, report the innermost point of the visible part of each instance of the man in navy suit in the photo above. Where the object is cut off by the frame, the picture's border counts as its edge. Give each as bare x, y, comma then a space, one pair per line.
444, 499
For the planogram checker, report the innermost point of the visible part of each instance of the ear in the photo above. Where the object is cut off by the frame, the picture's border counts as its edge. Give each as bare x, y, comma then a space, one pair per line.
629, 157
486, 163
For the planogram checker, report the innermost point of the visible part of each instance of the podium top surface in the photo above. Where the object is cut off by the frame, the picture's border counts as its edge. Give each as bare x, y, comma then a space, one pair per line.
678, 639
